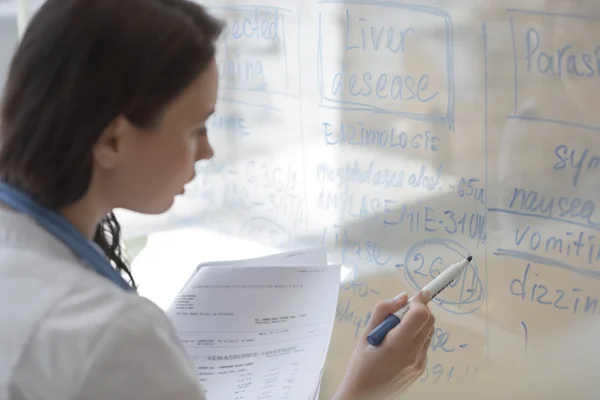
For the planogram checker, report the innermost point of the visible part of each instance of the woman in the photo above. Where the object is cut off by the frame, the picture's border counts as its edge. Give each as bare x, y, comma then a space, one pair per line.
105, 106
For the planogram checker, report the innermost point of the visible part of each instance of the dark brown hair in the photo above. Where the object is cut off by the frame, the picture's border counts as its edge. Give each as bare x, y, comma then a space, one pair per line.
81, 64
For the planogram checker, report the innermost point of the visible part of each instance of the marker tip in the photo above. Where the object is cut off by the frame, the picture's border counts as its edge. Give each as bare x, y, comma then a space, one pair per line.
469, 258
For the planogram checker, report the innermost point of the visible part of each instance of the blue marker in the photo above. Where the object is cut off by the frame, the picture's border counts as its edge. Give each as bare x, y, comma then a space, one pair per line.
434, 288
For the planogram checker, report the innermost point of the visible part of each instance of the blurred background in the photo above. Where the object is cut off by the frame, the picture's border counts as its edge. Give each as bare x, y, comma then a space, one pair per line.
402, 137
8, 35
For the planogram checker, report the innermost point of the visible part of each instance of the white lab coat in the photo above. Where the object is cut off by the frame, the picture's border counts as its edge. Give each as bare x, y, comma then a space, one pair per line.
68, 333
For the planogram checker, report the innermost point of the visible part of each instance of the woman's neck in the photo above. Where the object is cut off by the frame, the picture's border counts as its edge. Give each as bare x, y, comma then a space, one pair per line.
81, 214
84, 216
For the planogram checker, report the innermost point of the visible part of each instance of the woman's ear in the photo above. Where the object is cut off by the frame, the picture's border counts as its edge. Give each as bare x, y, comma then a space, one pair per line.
111, 145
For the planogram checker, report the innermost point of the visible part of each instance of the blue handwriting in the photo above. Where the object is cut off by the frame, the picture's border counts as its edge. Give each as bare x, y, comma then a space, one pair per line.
269, 177
355, 172
424, 218
426, 259
419, 218
260, 26
371, 37
345, 314
528, 288
364, 250
231, 124
397, 87
446, 374
279, 186
569, 244
243, 73
392, 86
553, 206
470, 188
562, 61
579, 162
440, 341
358, 288
359, 135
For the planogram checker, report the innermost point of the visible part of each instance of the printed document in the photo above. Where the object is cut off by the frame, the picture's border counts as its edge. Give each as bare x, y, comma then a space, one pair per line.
260, 328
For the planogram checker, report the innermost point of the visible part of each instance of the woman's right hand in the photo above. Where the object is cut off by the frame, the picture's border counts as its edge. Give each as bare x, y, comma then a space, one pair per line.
390, 368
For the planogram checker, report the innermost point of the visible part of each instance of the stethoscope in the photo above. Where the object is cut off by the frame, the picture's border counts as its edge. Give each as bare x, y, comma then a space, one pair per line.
63, 230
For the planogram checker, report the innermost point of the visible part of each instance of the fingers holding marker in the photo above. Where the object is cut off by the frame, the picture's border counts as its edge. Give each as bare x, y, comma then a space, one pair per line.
385, 308
428, 340
418, 314
417, 319
422, 297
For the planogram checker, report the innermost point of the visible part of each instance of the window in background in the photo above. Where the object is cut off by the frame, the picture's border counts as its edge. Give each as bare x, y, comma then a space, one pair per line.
8, 37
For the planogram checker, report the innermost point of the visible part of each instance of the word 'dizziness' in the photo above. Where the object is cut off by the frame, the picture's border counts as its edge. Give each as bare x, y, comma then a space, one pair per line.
530, 287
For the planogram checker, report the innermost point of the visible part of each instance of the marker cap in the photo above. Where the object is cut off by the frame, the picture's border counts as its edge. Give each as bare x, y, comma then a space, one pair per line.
378, 334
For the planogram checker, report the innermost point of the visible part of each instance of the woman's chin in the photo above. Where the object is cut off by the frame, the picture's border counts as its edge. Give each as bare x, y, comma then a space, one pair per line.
156, 208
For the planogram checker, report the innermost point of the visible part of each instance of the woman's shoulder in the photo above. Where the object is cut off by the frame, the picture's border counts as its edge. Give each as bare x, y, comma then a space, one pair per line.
87, 335
74, 334
50, 285
53, 291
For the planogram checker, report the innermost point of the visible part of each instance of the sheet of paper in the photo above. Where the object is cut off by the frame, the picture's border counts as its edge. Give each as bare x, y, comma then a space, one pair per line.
258, 332
312, 256
315, 256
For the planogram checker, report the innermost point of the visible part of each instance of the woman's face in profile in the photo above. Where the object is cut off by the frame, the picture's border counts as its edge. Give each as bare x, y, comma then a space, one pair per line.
153, 166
